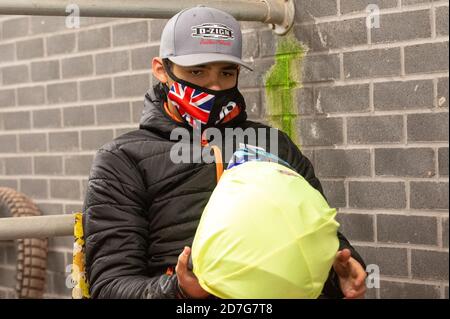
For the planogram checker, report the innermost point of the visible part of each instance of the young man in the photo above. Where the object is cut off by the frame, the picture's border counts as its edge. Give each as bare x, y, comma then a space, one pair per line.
142, 208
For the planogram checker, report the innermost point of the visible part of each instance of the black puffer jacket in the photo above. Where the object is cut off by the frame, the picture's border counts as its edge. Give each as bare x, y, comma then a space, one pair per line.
141, 209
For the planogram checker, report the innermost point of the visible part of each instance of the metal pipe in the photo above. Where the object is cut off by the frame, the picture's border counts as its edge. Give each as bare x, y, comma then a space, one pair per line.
267, 11
36, 226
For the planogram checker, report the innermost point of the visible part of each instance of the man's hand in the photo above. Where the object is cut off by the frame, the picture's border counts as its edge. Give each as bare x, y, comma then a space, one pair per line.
186, 279
352, 276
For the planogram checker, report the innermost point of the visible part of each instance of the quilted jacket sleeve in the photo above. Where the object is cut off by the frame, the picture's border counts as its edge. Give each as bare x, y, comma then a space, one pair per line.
304, 167
116, 232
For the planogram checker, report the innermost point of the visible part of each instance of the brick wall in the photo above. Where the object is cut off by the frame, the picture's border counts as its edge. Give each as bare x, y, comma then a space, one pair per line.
373, 118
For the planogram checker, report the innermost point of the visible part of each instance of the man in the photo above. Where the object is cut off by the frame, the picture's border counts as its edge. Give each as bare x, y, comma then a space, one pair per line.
142, 207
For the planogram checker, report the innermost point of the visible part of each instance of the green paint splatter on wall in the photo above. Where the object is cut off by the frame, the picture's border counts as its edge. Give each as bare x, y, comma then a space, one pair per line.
281, 84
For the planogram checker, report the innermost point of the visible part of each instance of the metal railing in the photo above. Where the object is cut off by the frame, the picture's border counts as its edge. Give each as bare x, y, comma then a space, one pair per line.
278, 13
36, 226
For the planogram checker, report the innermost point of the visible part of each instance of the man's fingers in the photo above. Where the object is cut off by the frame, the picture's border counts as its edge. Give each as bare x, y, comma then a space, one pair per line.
343, 256
183, 259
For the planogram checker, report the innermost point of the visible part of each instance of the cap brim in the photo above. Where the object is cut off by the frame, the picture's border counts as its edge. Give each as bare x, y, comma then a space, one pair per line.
202, 58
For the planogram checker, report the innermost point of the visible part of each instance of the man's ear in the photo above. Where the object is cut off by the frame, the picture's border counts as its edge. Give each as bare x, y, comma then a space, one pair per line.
158, 70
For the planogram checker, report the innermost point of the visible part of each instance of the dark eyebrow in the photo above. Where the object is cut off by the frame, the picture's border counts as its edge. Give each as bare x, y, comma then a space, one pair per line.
225, 68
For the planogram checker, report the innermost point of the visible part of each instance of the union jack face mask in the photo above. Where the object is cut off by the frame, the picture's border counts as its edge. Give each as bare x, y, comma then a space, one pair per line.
201, 106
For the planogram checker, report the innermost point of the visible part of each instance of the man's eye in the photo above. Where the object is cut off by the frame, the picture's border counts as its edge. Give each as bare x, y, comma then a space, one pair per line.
196, 72
228, 74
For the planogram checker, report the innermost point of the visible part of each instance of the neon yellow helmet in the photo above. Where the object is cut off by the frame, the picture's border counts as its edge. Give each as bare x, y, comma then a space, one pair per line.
265, 233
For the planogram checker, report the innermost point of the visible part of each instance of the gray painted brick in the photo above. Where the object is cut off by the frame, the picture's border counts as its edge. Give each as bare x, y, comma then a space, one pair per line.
59, 286
61, 242
46, 24
61, 44
342, 163
79, 115
429, 195
403, 290
29, 49
131, 85
137, 108
8, 144
407, 229
430, 57
356, 226
130, 33
51, 209
268, 42
156, 28
428, 127
56, 261
50, 118
15, 28
250, 45
94, 39
334, 192
141, 58
253, 103
255, 78
35, 188
7, 98
414, 162
10, 183
93, 140
304, 99
16, 120
429, 264
62, 92
48, 165
111, 62
77, 66
63, 141
17, 165
374, 129
340, 99
392, 261
443, 161
401, 95
7, 52
445, 232
65, 189
369, 195
335, 35
413, 2
35, 142
326, 131
34, 95
307, 10
319, 68
45, 70
402, 26
372, 63
95, 89
442, 21
8, 277
78, 164
442, 92
15, 74
113, 113
349, 6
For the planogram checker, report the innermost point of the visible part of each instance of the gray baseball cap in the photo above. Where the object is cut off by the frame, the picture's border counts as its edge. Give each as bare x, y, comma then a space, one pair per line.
201, 35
